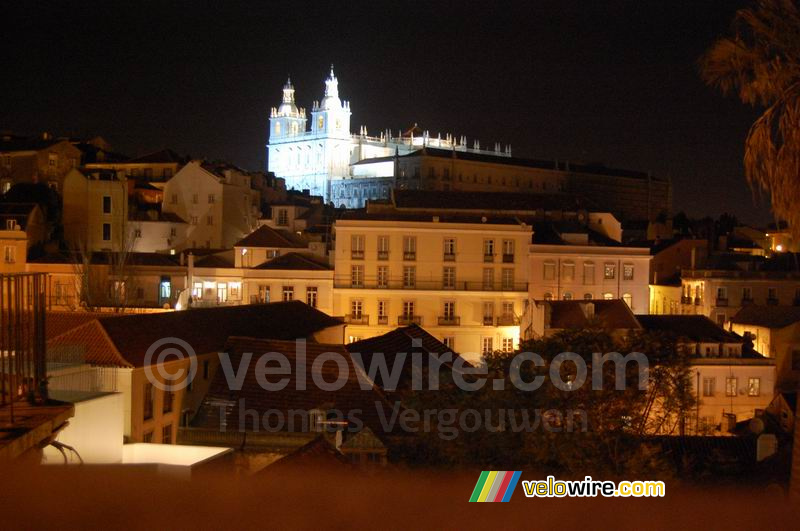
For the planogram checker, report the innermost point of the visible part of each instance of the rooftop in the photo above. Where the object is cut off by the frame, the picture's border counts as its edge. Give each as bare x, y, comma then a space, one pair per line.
767, 316
612, 314
265, 236
696, 328
297, 262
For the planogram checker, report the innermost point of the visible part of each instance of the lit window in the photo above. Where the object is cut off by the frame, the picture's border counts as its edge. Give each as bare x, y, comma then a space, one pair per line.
288, 293
549, 271
708, 386
311, 296
627, 272
730, 386
357, 276
609, 271
754, 387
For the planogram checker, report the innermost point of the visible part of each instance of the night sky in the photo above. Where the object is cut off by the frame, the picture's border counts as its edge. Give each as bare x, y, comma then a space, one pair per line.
611, 81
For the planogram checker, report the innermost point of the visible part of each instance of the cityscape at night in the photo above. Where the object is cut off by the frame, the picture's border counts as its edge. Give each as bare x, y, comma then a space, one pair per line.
353, 264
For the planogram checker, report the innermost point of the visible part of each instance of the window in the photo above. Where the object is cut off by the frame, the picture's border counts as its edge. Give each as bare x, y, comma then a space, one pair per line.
628, 298
211, 199
197, 290
408, 309
409, 276
409, 247
548, 296
449, 278
609, 271
588, 273
486, 346
383, 312
721, 318
209, 220
320, 122
288, 293
508, 251
311, 296
507, 279
587, 296
149, 400
754, 387
194, 220
52, 159
772, 295
283, 217
169, 398
449, 249
488, 250
10, 254
383, 247
567, 296
549, 271
222, 292
449, 342
627, 272
747, 294
488, 278
568, 271
507, 344
449, 310
106, 204
137, 233
383, 276
722, 294
263, 293
488, 313
147, 437
106, 232
708, 386
173, 232
508, 309
166, 434
730, 386
608, 296
357, 276
356, 308
357, 247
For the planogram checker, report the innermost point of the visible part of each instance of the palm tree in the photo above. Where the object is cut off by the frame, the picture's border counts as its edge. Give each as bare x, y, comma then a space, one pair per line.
760, 63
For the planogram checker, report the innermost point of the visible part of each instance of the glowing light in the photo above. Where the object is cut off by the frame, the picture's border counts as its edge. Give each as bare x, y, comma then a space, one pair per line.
779, 248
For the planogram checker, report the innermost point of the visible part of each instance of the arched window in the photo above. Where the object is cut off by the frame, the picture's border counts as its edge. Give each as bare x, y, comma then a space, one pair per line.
608, 296
567, 296
587, 296
628, 298
277, 128
548, 296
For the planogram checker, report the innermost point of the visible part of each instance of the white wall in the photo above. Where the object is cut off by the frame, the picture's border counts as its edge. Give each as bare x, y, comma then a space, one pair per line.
95, 432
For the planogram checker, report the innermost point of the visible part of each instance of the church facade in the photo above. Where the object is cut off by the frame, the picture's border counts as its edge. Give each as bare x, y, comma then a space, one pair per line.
347, 169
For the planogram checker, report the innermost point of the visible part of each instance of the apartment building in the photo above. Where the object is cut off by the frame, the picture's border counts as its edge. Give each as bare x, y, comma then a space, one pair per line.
96, 210
462, 277
730, 282
216, 201
41, 159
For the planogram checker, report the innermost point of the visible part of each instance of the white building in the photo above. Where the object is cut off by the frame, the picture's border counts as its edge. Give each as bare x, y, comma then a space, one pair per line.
217, 202
463, 278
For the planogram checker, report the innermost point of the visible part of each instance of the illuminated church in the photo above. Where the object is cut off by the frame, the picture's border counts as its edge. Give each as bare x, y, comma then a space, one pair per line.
346, 169
330, 161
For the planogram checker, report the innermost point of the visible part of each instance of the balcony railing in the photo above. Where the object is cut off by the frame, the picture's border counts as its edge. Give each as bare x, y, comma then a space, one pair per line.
449, 320
488, 320
431, 285
409, 255
507, 320
405, 320
488, 258
383, 255
722, 301
383, 319
357, 255
357, 319
772, 301
686, 300
746, 301
449, 257
698, 301
508, 258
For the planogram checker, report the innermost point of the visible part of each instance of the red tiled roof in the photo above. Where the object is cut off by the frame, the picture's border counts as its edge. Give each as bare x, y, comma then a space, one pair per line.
350, 399
315, 455
268, 237
57, 323
611, 314
88, 343
204, 329
297, 262
767, 316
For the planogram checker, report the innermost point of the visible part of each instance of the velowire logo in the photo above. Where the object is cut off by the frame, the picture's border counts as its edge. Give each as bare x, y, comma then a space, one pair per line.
494, 486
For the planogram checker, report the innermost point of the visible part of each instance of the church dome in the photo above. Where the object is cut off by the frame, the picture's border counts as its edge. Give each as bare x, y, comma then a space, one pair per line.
288, 106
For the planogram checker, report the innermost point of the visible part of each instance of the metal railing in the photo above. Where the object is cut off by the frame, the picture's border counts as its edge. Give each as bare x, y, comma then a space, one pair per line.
383, 319
428, 285
449, 320
508, 258
722, 301
488, 258
357, 319
357, 255
507, 320
405, 320
23, 369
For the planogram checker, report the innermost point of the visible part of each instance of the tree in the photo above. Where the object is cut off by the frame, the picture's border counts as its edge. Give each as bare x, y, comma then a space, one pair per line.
760, 63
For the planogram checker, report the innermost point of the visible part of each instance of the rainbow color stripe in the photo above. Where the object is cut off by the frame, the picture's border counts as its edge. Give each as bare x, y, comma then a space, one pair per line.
494, 486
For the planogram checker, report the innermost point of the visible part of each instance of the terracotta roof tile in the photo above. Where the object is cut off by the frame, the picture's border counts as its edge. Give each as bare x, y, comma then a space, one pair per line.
265, 236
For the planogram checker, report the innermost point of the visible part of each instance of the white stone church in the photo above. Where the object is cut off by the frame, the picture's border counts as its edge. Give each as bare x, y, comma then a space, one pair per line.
325, 160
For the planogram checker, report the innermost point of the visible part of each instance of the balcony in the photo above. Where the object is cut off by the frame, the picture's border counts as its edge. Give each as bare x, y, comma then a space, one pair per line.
356, 255
747, 301
449, 257
488, 320
507, 320
431, 285
383, 319
356, 319
722, 301
409, 256
405, 320
772, 301
686, 300
508, 258
488, 258
449, 320
698, 301
383, 255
